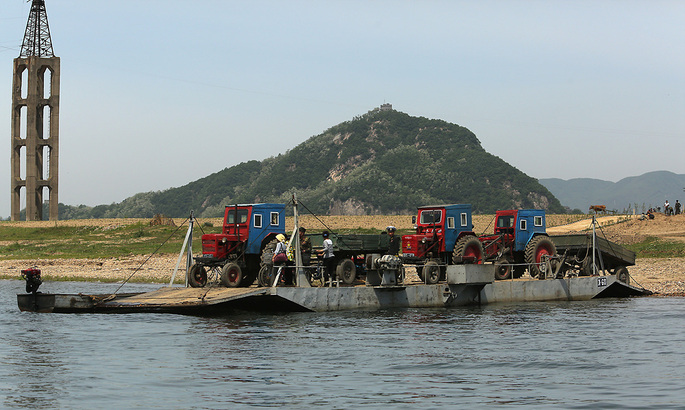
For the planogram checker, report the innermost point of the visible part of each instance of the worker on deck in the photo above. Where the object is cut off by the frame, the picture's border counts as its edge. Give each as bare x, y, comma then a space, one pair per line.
394, 243
328, 256
305, 247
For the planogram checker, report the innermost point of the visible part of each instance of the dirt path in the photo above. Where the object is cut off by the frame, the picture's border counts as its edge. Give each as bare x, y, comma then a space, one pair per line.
586, 224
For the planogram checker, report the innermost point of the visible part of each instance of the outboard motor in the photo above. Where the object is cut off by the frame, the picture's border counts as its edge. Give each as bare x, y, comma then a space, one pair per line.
32, 278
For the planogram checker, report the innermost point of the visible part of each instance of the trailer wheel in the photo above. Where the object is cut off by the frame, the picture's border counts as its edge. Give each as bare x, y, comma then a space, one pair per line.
197, 276
467, 248
231, 275
431, 272
622, 275
503, 268
534, 252
346, 271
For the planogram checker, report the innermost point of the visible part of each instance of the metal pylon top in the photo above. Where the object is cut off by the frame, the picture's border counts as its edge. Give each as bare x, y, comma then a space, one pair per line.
37, 40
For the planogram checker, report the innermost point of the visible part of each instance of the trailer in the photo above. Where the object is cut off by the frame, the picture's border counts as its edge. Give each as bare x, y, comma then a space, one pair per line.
575, 256
352, 252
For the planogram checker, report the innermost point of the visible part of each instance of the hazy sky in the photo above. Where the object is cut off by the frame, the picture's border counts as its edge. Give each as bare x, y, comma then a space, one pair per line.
158, 93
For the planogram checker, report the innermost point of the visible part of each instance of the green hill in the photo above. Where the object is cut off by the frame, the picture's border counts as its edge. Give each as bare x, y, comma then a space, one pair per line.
383, 162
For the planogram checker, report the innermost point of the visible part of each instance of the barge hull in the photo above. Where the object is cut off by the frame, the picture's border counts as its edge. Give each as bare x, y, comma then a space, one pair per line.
211, 301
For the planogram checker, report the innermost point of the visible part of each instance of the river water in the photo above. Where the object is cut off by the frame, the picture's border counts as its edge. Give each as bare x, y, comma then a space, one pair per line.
612, 353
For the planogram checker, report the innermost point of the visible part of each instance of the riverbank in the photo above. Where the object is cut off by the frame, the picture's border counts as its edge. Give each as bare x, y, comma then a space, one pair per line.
663, 276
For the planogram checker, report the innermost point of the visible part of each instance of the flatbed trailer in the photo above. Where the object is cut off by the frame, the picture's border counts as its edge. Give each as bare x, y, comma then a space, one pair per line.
575, 254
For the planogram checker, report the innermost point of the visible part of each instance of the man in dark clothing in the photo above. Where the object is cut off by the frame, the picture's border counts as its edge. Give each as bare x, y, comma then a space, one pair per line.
305, 247
394, 243
677, 207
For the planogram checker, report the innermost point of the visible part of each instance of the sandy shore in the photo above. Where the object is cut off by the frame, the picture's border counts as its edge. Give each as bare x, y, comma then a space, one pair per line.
665, 277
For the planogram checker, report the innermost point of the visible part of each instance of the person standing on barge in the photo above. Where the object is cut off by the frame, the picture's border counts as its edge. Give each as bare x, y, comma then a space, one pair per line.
394, 242
328, 256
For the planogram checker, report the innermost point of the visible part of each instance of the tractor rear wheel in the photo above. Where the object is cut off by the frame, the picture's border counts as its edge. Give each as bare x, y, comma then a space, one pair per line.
468, 249
431, 272
346, 271
231, 275
197, 276
503, 268
537, 248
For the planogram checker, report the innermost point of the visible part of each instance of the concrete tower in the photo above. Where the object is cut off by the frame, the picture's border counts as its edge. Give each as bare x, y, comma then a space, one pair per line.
35, 119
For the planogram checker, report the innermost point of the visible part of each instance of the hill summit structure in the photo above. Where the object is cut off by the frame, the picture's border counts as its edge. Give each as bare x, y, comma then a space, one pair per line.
35, 119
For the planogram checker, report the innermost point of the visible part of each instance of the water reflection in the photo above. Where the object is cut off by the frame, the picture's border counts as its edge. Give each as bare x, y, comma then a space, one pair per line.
610, 353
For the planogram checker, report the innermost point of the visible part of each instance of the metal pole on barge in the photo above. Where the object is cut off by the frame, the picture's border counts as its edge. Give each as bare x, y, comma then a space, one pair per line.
301, 278
189, 236
594, 236
189, 257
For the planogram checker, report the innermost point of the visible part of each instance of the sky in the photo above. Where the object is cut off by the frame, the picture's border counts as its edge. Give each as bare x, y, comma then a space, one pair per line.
158, 93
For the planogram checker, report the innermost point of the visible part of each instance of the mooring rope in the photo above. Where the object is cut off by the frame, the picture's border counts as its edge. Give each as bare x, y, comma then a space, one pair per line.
149, 257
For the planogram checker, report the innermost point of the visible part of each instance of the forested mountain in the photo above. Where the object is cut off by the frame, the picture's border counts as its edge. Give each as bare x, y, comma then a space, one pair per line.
646, 191
383, 162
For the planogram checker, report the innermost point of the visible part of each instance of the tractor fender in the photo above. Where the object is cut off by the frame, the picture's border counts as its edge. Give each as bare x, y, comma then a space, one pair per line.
462, 234
450, 247
535, 235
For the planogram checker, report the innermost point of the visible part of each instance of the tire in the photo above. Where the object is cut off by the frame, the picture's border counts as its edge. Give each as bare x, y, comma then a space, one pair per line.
267, 252
231, 275
197, 276
431, 272
538, 247
265, 276
346, 271
622, 275
503, 268
468, 247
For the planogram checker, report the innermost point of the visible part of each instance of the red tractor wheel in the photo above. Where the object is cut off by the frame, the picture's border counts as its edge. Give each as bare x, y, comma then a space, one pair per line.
535, 251
468, 249
231, 275
197, 276
431, 272
503, 268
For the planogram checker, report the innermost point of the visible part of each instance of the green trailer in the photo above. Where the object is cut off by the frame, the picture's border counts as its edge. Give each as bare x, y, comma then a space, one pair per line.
575, 256
351, 252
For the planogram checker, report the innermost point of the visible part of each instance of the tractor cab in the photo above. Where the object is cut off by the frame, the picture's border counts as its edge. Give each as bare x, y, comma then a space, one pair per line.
245, 230
522, 224
437, 229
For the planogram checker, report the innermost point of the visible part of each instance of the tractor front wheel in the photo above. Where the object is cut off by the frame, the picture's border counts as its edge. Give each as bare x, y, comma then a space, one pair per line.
503, 268
197, 276
431, 272
231, 275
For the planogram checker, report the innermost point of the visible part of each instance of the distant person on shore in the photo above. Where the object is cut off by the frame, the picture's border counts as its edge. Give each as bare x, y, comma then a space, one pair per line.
667, 206
677, 207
